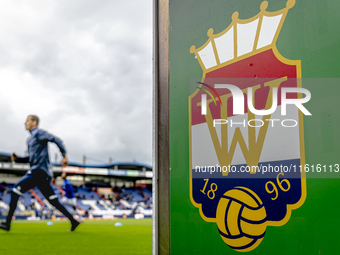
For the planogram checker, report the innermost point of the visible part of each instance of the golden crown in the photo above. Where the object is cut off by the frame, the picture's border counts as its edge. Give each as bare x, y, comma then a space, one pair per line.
242, 38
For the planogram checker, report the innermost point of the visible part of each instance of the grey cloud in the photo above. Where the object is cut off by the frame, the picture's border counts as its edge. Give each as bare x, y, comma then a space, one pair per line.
96, 59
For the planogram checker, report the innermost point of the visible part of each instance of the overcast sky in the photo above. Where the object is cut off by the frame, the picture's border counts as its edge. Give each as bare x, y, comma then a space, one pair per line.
85, 68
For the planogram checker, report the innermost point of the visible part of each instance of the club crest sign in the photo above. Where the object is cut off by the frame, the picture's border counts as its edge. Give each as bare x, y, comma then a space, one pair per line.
245, 168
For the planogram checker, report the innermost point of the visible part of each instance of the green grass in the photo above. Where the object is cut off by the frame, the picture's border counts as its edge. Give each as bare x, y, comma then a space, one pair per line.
92, 237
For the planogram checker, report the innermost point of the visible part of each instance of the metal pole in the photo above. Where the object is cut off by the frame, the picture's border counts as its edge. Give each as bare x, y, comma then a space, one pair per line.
161, 162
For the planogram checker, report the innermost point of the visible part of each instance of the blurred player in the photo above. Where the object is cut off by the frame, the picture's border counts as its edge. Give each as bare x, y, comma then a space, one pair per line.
69, 198
40, 173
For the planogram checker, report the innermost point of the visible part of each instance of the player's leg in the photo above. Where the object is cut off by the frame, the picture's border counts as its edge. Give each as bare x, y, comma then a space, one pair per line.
26, 182
48, 192
63, 200
70, 201
55, 202
73, 201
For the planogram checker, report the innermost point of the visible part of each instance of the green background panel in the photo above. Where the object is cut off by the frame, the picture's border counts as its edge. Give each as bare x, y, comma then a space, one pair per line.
311, 34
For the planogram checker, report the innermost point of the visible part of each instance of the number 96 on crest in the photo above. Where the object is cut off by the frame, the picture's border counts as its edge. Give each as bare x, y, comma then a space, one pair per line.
243, 208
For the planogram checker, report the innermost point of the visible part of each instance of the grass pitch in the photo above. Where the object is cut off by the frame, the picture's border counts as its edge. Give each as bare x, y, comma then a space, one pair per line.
92, 237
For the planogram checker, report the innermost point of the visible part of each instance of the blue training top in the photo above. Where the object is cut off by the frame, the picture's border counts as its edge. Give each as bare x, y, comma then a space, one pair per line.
68, 188
38, 151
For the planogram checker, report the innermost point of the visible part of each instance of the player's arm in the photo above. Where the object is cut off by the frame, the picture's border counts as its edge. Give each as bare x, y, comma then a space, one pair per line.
15, 158
46, 137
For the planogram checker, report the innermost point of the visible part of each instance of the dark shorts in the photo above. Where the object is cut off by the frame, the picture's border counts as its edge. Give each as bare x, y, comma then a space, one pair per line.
36, 178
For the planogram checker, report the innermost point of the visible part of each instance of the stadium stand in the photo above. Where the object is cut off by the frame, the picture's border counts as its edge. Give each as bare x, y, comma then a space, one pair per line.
95, 196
